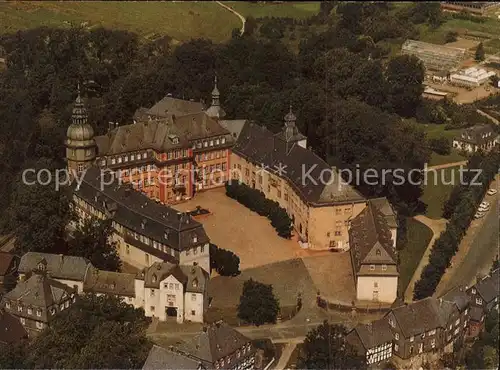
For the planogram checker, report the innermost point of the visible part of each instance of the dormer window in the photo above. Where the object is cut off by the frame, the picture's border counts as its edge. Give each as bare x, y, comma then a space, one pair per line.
165, 234
144, 155
132, 157
113, 161
119, 159
372, 267
378, 253
154, 278
223, 140
195, 239
384, 267
39, 313
205, 144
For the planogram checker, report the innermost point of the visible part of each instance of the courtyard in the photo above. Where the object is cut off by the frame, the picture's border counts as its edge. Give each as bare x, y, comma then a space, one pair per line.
234, 227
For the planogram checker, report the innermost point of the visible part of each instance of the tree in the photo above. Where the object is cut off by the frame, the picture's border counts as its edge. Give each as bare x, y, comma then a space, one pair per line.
451, 36
93, 240
440, 145
405, 74
325, 347
96, 332
258, 305
39, 213
225, 262
479, 56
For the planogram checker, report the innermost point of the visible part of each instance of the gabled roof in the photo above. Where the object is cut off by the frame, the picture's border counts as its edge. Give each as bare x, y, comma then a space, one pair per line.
459, 297
40, 291
6, 260
193, 278
424, 315
179, 107
158, 134
478, 135
259, 146
140, 214
109, 282
215, 342
383, 205
161, 358
488, 287
373, 334
370, 238
58, 266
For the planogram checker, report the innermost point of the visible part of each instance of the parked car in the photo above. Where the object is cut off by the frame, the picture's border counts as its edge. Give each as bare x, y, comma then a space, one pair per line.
483, 209
484, 204
479, 214
492, 192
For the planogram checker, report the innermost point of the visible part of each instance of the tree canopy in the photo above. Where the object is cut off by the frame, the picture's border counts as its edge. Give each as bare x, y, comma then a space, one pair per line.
258, 305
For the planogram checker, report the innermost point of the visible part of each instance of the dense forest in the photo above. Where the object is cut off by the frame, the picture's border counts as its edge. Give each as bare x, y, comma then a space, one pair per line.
349, 95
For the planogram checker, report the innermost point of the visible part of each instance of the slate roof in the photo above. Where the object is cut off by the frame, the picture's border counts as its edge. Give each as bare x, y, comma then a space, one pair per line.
475, 135
169, 105
217, 341
368, 235
383, 205
11, 329
259, 146
459, 297
110, 282
476, 313
374, 334
6, 260
234, 126
58, 266
193, 278
489, 287
138, 213
161, 358
39, 291
158, 134
424, 315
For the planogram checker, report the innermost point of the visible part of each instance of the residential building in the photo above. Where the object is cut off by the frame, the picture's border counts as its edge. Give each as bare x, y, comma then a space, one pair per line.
218, 346
372, 340
11, 329
36, 300
484, 298
173, 291
69, 270
118, 284
373, 256
425, 329
472, 139
8, 267
145, 231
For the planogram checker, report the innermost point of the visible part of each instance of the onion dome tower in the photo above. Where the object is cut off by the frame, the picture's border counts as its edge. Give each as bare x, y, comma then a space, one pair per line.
215, 110
81, 149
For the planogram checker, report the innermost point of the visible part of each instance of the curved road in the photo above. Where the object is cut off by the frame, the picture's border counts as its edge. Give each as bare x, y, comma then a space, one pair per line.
242, 18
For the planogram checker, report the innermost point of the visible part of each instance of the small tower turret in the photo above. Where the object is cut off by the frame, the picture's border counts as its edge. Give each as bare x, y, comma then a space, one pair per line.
290, 133
215, 110
81, 149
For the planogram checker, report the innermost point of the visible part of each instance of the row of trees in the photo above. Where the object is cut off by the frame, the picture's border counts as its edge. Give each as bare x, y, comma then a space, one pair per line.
461, 210
97, 332
256, 201
225, 262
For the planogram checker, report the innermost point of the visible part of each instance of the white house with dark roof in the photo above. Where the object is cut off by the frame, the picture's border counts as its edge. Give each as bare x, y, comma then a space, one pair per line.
372, 340
472, 139
178, 292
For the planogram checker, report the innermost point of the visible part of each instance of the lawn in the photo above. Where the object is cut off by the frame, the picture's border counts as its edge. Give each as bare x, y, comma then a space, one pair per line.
418, 236
437, 190
297, 10
179, 20
454, 156
436, 131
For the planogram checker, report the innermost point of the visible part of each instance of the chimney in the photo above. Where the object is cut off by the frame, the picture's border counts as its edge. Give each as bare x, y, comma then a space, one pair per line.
195, 263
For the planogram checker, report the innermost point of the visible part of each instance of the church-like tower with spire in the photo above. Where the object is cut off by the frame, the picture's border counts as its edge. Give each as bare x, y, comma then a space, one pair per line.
81, 149
215, 110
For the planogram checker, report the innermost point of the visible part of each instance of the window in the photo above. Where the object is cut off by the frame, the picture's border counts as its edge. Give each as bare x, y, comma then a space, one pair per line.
338, 211
152, 292
396, 347
384, 267
422, 336
466, 311
176, 286
479, 301
7, 304
39, 325
396, 336
412, 338
391, 322
20, 308
202, 249
457, 322
30, 311
456, 331
372, 267
193, 297
152, 308
23, 320
377, 252
375, 284
432, 332
113, 161
127, 249
473, 291
193, 312
39, 313
433, 343
144, 155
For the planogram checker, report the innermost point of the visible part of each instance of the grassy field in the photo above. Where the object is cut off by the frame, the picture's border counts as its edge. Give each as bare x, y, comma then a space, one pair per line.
454, 156
437, 190
436, 131
179, 20
419, 236
286, 9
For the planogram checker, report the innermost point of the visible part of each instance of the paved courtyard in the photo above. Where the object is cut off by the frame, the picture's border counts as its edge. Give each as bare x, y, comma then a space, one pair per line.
234, 227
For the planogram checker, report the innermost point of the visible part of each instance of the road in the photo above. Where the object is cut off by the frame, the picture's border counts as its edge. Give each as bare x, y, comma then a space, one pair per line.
493, 119
242, 18
475, 256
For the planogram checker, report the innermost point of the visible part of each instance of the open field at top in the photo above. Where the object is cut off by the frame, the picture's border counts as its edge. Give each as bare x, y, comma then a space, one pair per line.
179, 20
286, 9
437, 190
